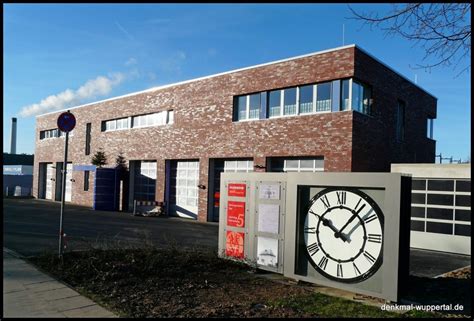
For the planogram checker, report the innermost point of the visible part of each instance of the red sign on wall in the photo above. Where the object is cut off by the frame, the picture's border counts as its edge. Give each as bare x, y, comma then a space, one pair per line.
236, 214
234, 245
237, 190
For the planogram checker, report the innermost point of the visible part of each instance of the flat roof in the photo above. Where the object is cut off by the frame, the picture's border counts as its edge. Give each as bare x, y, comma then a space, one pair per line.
237, 70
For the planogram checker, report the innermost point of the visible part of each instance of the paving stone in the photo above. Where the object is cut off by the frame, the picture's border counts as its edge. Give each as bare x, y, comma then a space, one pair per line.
57, 294
71, 303
45, 286
90, 311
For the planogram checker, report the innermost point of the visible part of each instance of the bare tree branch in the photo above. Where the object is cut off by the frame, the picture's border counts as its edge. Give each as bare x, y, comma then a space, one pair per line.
443, 30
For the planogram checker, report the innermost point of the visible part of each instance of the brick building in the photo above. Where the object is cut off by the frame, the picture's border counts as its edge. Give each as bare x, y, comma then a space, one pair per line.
334, 110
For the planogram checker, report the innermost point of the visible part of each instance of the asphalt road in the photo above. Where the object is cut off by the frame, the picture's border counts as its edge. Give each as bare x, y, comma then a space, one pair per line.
32, 227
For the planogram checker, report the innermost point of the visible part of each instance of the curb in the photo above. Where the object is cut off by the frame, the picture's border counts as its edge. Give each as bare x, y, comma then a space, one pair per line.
442, 275
13, 253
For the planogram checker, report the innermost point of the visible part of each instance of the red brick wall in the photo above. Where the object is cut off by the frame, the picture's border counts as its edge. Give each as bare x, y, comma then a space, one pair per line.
203, 126
374, 137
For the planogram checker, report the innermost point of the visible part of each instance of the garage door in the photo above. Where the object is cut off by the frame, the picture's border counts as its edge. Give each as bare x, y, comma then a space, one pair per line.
184, 190
228, 166
49, 182
68, 191
441, 215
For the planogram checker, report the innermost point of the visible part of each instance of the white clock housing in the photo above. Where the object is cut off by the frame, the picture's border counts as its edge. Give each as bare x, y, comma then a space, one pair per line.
343, 234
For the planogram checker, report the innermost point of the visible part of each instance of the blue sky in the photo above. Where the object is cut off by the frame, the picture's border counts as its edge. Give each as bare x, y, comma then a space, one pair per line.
79, 53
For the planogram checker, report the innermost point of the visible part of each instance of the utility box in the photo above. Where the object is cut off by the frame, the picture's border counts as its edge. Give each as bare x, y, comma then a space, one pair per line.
344, 230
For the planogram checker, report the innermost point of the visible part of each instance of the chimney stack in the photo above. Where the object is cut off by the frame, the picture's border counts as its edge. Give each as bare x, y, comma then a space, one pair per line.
13, 137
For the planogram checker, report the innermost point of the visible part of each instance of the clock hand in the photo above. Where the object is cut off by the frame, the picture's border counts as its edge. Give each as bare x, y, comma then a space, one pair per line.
327, 222
358, 224
354, 215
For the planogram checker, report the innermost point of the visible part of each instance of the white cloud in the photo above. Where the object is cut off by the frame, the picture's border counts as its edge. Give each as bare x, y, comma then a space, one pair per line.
93, 88
131, 61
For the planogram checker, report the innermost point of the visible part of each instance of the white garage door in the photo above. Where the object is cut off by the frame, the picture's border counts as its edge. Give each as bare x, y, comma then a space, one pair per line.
186, 176
49, 182
68, 191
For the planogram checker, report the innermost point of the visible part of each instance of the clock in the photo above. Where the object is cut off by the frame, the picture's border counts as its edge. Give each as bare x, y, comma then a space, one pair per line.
343, 234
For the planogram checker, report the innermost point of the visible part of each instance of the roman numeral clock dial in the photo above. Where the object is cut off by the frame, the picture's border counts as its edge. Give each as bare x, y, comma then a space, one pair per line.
343, 234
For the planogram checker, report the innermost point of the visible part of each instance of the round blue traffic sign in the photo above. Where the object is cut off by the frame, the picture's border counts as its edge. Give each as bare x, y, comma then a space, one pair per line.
66, 122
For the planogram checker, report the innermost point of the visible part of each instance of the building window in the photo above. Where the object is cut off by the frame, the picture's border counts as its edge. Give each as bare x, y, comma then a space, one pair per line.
296, 164
306, 99
323, 97
274, 103
86, 180
289, 99
110, 125
88, 138
53, 133
248, 107
304, 165
400, 134
155, 119
429, 128
238, 166
242, 108
254, 106
345, 101
122, 123
300, 100
361, 97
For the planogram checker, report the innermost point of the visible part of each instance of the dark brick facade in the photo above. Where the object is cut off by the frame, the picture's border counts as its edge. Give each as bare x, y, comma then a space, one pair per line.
203, 126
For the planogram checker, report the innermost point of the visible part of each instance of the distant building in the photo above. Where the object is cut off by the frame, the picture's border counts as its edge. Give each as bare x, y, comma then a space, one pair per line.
17, 174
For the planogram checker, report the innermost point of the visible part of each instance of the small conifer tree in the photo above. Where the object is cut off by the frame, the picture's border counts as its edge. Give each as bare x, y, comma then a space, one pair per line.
120, 162
99, 159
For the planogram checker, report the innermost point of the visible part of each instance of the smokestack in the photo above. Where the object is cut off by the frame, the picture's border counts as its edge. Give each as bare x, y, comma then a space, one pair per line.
13, 137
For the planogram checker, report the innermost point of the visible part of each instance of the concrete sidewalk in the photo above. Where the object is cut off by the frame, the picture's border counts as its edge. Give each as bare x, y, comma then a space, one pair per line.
27, 292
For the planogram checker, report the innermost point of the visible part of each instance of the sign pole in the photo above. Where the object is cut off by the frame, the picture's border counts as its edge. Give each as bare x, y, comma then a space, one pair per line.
63, 194
66, 122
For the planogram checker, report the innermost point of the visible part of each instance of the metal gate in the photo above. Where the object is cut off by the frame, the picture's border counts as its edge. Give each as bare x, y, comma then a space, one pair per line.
106, 189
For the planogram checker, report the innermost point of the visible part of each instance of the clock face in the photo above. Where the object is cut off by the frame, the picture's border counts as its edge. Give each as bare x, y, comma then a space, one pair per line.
343, 234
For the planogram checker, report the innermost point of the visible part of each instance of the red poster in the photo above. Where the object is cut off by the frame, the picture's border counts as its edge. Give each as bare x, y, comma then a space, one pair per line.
234, 245
237, 190
236, 214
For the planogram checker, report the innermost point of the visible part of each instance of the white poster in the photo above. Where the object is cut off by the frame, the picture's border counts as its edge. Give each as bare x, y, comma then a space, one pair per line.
267, 251
268, 218
269, 192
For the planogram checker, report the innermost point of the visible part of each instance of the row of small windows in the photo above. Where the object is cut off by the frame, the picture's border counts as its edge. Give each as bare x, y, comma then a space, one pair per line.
53, 133
155, 119
323, 97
